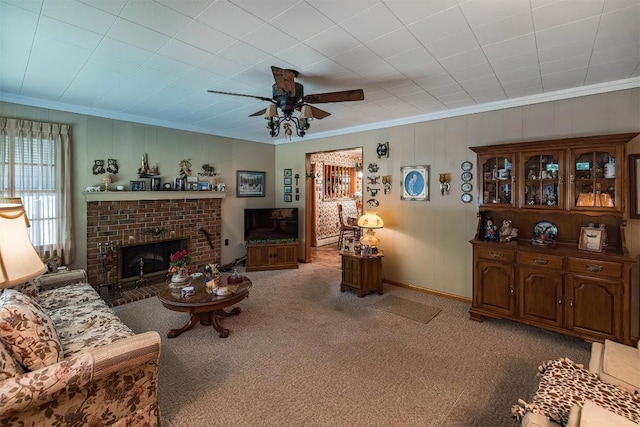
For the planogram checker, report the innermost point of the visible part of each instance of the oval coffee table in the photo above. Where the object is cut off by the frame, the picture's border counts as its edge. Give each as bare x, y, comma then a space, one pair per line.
205, 307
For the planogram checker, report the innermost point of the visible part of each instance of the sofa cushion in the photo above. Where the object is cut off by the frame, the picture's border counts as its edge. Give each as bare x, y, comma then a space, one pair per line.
68, 296
621, 366
28, 288
27, 331
593, 415
8, 365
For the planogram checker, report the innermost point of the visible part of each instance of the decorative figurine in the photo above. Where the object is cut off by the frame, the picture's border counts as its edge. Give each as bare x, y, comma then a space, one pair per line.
185, 168
490, 229
507, 231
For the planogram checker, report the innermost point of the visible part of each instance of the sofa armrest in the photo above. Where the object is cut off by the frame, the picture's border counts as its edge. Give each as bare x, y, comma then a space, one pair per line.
76, 377
59, 279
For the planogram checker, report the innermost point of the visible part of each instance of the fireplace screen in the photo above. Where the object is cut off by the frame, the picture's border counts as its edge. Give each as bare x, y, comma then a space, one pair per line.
151, 257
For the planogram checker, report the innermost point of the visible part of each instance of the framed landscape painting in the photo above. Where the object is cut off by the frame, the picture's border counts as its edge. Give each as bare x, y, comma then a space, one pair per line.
250, 184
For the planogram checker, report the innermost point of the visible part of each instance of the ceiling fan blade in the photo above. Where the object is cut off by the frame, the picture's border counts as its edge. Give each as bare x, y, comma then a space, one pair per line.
318, 113
258, 113
342, 96
284, 79
261, 98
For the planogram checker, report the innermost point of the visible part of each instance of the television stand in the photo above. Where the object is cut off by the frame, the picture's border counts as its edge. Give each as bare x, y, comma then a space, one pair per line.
272, 255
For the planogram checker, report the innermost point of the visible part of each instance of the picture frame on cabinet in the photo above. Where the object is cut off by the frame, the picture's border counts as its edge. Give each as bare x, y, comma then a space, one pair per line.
250, 184
591, 239
415, 182
634, 185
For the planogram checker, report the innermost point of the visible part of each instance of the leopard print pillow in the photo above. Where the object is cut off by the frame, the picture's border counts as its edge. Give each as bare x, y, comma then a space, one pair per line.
27, 331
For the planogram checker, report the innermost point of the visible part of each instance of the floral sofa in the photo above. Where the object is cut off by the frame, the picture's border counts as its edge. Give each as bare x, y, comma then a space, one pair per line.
67, 360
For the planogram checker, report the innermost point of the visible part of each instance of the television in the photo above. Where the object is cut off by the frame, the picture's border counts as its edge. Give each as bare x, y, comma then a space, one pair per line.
264, 225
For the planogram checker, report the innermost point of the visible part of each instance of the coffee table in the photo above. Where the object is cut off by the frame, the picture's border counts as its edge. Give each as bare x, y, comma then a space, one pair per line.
205, 307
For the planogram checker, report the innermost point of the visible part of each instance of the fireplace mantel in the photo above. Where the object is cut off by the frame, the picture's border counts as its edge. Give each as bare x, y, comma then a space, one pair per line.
109, 196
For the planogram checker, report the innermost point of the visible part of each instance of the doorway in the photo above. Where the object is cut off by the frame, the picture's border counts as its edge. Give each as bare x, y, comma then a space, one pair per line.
333, 177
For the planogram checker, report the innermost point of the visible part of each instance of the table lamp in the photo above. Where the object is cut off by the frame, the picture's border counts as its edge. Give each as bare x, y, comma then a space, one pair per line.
370, 221
19, 261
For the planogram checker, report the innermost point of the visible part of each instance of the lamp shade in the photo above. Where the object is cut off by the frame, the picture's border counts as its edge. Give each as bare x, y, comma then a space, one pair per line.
370, 220
19, 261
306, 112
271, 111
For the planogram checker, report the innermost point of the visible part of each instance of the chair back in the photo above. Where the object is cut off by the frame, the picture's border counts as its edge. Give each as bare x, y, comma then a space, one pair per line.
340, 214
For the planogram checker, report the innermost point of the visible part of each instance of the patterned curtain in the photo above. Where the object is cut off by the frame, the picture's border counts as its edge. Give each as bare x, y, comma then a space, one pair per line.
35, 165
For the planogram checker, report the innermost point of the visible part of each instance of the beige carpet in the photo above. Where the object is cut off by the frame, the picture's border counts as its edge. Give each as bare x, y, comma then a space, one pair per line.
407, 308
302, 353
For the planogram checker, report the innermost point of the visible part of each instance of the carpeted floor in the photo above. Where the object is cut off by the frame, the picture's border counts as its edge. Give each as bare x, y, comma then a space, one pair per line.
407, 308
302, 353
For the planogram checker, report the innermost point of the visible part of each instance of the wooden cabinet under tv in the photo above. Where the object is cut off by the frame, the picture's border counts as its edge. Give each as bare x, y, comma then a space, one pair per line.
272, 256
587, 294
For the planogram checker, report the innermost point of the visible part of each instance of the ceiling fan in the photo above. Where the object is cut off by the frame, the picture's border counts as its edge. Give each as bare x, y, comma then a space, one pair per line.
288, 96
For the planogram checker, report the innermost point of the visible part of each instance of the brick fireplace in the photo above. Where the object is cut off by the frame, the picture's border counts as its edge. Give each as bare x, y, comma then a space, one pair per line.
118, 223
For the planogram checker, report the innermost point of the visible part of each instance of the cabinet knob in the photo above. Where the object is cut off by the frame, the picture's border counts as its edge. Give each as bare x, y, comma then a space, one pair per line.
541, 261
570, 302
560, 301
594, 268
512, 290
495, 255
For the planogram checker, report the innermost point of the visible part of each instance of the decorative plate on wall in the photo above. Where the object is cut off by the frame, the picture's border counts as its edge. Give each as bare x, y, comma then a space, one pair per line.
466, 176
466, 187
466, 197
466, 166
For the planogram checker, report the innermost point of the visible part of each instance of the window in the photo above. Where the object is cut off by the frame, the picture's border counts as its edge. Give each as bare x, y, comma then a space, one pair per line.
31, 167
339, 182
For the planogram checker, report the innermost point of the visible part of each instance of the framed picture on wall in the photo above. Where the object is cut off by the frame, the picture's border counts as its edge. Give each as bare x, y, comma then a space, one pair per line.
250, 184
415, 182
287, 197
287, 172
287, 180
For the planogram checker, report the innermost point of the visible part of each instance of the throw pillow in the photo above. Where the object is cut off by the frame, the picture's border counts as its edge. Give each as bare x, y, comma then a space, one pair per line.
8, 365
27, 331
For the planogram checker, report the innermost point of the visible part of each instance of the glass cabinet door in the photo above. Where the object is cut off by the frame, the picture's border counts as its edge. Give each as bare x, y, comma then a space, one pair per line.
497, 181
595, 180
542, 178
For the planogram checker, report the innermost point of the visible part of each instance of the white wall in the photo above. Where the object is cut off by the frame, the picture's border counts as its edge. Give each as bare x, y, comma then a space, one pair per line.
426, 243
95, 138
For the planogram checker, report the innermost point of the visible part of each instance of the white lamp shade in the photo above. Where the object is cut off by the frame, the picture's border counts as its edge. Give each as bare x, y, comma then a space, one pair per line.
306, 112
370, 220
19, 261
271, 111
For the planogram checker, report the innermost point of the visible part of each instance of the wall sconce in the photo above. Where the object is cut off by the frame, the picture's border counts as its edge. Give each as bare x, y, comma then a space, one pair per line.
444, 183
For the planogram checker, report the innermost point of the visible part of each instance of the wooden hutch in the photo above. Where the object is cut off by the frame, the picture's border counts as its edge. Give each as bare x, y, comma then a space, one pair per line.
545, 280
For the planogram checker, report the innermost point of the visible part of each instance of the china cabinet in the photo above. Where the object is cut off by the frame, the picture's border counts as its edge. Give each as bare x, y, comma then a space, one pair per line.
550, 190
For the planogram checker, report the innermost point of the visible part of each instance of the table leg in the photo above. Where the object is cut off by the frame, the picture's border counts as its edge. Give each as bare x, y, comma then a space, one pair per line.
216, 320
195, 317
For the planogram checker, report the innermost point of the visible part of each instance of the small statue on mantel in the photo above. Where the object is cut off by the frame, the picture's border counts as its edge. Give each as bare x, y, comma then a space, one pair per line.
507, 231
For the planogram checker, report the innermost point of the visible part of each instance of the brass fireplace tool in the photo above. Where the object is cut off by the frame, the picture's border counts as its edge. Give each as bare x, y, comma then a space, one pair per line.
108, 291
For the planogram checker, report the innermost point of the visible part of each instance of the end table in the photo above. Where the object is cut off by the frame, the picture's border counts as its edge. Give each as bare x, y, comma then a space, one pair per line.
361, 274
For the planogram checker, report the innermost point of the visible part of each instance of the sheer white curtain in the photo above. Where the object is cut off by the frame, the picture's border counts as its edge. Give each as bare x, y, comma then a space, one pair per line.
35, 166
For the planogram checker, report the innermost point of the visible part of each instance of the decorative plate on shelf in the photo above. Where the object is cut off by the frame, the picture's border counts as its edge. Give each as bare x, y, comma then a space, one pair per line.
544, 233
466, 166
466, 176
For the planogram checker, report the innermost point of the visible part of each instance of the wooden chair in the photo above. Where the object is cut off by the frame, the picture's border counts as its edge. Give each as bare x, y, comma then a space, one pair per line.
346, 229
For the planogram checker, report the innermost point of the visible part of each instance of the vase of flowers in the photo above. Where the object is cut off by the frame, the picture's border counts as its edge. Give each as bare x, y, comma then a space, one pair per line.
179, 263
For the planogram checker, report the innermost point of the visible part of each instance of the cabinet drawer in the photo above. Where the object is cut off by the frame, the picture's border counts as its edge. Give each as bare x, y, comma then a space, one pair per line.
541, 260
496, 254
595, 267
